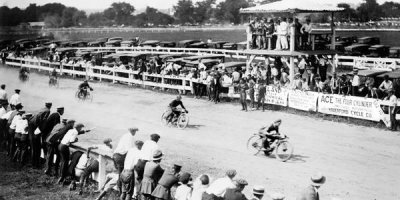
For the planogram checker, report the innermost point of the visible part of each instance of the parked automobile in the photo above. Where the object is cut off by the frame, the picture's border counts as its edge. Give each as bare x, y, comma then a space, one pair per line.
216, 44
78, 44
127, 43
357, 50
115, 39
113, 43
150, 43
186, 43
394, 52
230, 46
379, 50
96, 44
167, 44
369, 40
198, 45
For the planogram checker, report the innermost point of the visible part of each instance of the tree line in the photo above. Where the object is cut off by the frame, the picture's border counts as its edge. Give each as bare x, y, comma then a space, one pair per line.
185, 12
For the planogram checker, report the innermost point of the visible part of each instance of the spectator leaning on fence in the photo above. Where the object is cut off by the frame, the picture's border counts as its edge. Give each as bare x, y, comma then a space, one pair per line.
392, 109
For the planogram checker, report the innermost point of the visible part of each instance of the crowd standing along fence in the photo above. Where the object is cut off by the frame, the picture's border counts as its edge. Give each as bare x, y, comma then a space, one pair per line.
332, 104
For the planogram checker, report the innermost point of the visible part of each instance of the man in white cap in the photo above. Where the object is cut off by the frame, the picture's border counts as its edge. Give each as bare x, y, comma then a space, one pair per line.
277, 196
311, 192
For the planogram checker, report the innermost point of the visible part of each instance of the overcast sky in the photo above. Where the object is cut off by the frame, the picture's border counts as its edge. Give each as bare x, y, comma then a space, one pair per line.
138, 4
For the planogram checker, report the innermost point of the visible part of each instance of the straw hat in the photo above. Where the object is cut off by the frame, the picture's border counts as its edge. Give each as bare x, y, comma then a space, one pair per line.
317, 179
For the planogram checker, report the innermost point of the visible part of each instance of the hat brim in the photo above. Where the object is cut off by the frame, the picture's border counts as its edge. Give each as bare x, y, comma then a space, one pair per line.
319, 183
258, 193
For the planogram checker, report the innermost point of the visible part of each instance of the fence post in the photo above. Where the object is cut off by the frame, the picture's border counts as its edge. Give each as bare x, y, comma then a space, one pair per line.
162, 83
102, 171
114, 76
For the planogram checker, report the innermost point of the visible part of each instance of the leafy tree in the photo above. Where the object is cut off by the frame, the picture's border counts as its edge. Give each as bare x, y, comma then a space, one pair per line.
153, 16
369, 10
184, 10
390, 9
228, 10
203, 11
52, 21
120, 12
98, 19
51, 9
31, 13
72, 17
348, 13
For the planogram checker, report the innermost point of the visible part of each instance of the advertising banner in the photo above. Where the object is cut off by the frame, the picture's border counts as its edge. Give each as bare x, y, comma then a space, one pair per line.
349, 106
300, 100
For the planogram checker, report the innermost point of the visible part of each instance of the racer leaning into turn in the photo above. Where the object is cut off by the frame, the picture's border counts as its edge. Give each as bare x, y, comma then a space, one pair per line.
174, 111
83, 88
53, 76
271, 133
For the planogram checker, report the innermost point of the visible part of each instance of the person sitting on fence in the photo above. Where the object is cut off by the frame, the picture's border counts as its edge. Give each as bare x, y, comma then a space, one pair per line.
83, 88
385, 86
271, 134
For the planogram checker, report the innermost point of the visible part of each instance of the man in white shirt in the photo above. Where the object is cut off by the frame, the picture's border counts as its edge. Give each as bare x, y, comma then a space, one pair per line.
305, 30
126, 142
15, 99
150, 146
128, 174
202, 65
21, 128
219, 186
386, 85
69, 138
281, 42
3, 94
355, 83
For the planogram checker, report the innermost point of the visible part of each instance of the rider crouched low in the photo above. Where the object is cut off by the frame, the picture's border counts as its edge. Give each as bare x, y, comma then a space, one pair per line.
271, 133
53, 76
83, 88
174, 111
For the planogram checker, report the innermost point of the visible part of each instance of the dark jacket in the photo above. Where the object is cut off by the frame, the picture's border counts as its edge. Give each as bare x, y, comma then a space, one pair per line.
234, 194
51, 121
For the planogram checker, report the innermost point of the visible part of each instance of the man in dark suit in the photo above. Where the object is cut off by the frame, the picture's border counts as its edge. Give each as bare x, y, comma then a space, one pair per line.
216, 84
311, 192
52, 120
37, 122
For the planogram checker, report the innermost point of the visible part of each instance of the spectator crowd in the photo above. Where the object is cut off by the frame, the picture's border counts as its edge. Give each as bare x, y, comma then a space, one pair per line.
136, 170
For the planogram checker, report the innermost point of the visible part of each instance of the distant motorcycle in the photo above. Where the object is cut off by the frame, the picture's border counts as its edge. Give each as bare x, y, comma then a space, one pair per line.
23, 75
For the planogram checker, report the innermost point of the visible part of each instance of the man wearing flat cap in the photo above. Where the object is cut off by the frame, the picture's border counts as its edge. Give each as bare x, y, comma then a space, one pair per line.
236, 193
311, 192
9, 116
218, 188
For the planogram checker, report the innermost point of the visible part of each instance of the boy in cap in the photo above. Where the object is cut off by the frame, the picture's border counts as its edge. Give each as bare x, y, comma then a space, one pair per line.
236, 193
258, 192
184, 191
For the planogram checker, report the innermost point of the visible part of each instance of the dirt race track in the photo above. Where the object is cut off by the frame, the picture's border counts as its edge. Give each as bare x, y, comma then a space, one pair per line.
360, 163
